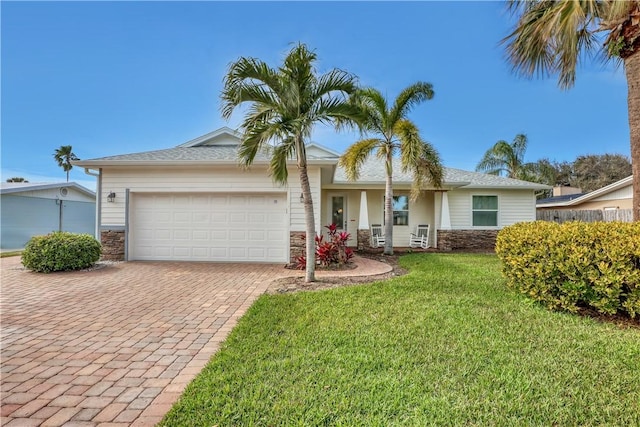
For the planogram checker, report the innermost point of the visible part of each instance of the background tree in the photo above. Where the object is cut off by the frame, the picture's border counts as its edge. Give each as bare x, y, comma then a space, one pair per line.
64, 156
284, 105
596, 171
394, 134
552, 36
17, 179
506, 159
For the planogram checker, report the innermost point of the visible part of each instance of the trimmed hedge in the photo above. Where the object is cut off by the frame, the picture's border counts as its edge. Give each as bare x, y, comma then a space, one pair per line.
575, 264
61, 251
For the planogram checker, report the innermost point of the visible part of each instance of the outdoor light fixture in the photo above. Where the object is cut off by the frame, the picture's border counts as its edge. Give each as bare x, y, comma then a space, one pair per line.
301, 197
111, 197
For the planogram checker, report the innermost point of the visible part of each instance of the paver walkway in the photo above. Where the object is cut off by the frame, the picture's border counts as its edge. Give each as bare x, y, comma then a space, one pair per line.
117, 346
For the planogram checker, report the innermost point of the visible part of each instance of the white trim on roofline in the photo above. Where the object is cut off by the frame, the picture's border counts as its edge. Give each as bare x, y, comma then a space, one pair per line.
44, 186
181, 163
201, 139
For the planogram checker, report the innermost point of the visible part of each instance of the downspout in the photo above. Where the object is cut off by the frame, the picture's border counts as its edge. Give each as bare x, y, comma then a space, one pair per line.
98, 199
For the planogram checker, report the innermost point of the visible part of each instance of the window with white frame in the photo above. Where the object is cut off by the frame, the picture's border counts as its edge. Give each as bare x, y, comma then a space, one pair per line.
400, 208
485, 211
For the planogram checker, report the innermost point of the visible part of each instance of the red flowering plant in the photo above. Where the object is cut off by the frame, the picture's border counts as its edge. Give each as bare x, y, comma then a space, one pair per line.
332, 252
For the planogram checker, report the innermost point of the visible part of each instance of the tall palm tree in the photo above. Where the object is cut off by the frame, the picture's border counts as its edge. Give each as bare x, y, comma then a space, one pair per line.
64, 156
506, 159
284, 105
394, 134
551, 36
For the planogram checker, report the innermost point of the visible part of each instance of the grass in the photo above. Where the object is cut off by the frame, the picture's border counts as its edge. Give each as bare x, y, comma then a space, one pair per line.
10, 253
446, 344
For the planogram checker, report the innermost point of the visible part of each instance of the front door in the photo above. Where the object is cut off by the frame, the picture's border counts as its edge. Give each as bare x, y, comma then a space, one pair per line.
338, 212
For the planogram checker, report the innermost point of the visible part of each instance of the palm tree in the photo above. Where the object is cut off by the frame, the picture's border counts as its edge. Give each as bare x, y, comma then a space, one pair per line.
506, 159
551, 36
284, 105
395, 134
64, 155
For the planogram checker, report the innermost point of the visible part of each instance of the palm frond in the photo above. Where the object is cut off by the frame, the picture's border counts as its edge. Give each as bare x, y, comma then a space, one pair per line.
495, 160
409, 98
278, 163
247, 76
551, 36
419, 157
355, 156
519, 146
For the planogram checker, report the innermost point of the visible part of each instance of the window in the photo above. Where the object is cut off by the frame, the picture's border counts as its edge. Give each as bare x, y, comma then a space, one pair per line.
400, 210
485, 211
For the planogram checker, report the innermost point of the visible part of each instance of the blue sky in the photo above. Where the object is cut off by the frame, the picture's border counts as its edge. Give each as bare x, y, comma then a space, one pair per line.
120, 77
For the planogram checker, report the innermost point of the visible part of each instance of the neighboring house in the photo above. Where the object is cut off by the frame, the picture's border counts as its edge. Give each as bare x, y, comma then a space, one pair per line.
193, 202
31, 209
618, 195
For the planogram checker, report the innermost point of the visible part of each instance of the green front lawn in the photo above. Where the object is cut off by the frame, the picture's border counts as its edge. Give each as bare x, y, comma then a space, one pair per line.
10, 254
447, 344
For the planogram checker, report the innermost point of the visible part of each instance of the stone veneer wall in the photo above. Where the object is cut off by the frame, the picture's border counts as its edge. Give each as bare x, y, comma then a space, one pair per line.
297, 245
364, 240
112, 245
449, 240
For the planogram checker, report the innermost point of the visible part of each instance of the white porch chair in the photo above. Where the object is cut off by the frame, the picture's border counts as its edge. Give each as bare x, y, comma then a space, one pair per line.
377, 236
420, 237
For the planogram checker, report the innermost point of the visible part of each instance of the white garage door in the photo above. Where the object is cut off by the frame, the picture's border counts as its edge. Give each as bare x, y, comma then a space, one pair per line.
209, 227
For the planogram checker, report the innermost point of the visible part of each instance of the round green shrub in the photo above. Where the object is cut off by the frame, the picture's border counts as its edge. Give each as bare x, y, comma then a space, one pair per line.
574, 265
61, 251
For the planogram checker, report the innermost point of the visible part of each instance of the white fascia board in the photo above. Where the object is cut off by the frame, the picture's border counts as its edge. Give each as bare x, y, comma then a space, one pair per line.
96, 163
199, 140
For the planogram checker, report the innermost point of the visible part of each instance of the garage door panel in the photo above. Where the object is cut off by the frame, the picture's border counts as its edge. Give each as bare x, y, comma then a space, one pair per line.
237, 235
182, 235
201, 235
161, 216
219, 217
182, 217
237, 217
200, 218
274, 236
200, 253
257, 235
164, 252
218, 235
209, 227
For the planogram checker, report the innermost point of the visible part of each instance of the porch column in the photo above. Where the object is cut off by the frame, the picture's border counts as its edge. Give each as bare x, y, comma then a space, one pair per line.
445, 216
364, 234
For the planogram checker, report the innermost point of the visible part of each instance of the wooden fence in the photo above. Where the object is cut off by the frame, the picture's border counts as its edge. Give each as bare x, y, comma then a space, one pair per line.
560, 216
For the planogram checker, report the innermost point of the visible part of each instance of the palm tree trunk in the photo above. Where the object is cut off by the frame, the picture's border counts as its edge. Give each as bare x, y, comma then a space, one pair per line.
310, 242
388, 206
67, 176
632, 69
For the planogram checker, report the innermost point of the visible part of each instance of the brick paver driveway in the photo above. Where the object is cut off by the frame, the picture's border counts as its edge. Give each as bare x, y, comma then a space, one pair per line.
115, 346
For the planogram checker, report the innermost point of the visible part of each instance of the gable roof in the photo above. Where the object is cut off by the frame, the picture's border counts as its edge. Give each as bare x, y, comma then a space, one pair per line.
624, 182
373, 172
19, 187
217, 147
221, 147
